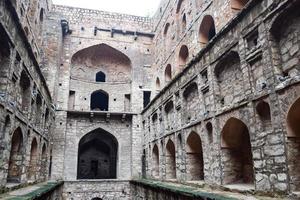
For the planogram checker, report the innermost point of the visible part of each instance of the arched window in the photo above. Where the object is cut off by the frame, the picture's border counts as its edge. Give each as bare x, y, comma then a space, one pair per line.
100, 77
236, 148
168, 73
207, 29
99, 101
16, 157
97, 156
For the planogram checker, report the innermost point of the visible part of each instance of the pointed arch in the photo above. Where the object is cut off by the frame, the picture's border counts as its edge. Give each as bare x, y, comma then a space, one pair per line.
207, 29
236, 153
102, 57
97, 155
194, 156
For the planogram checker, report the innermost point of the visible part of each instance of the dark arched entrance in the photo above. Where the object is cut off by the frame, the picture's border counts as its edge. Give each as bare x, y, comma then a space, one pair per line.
97, 156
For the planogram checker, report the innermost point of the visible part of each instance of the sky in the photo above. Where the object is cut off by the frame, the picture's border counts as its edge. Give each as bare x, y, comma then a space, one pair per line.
133, 7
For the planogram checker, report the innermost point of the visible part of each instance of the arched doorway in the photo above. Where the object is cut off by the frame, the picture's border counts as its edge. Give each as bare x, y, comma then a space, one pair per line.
33, 163
99, 101
194, 157
236, 153
16, 157
170, 160
97, 156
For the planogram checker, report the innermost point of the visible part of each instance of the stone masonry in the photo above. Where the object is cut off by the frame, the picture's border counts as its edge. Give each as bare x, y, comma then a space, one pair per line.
203, 94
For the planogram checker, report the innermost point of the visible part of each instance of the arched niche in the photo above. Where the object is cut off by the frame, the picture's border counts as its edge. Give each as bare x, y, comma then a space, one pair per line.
157, 84
285, 39
168, 73
33, 162
99, 101
170, 160
179, 5
293, 120
238, 4
209, 130
264, 114
5, 54
236, 153
89, 61
97, 156
44, 162
207, 29
155, 161
183, 56
169, 110
16, 157
25, 91
194, 157
166, 29
229, 77
293, 144
190, 101
183, 23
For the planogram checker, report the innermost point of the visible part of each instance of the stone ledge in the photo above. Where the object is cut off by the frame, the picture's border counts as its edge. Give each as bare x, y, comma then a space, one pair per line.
32, 192
182, 190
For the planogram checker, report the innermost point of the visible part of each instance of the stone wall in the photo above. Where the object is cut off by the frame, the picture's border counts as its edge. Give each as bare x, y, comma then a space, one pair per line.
26, 111
243, 90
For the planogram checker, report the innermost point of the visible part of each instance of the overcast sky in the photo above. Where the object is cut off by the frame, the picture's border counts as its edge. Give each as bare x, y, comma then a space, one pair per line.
133, 7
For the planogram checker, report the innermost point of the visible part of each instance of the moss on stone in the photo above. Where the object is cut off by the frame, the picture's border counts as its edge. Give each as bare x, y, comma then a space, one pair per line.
180, 190
44, 189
